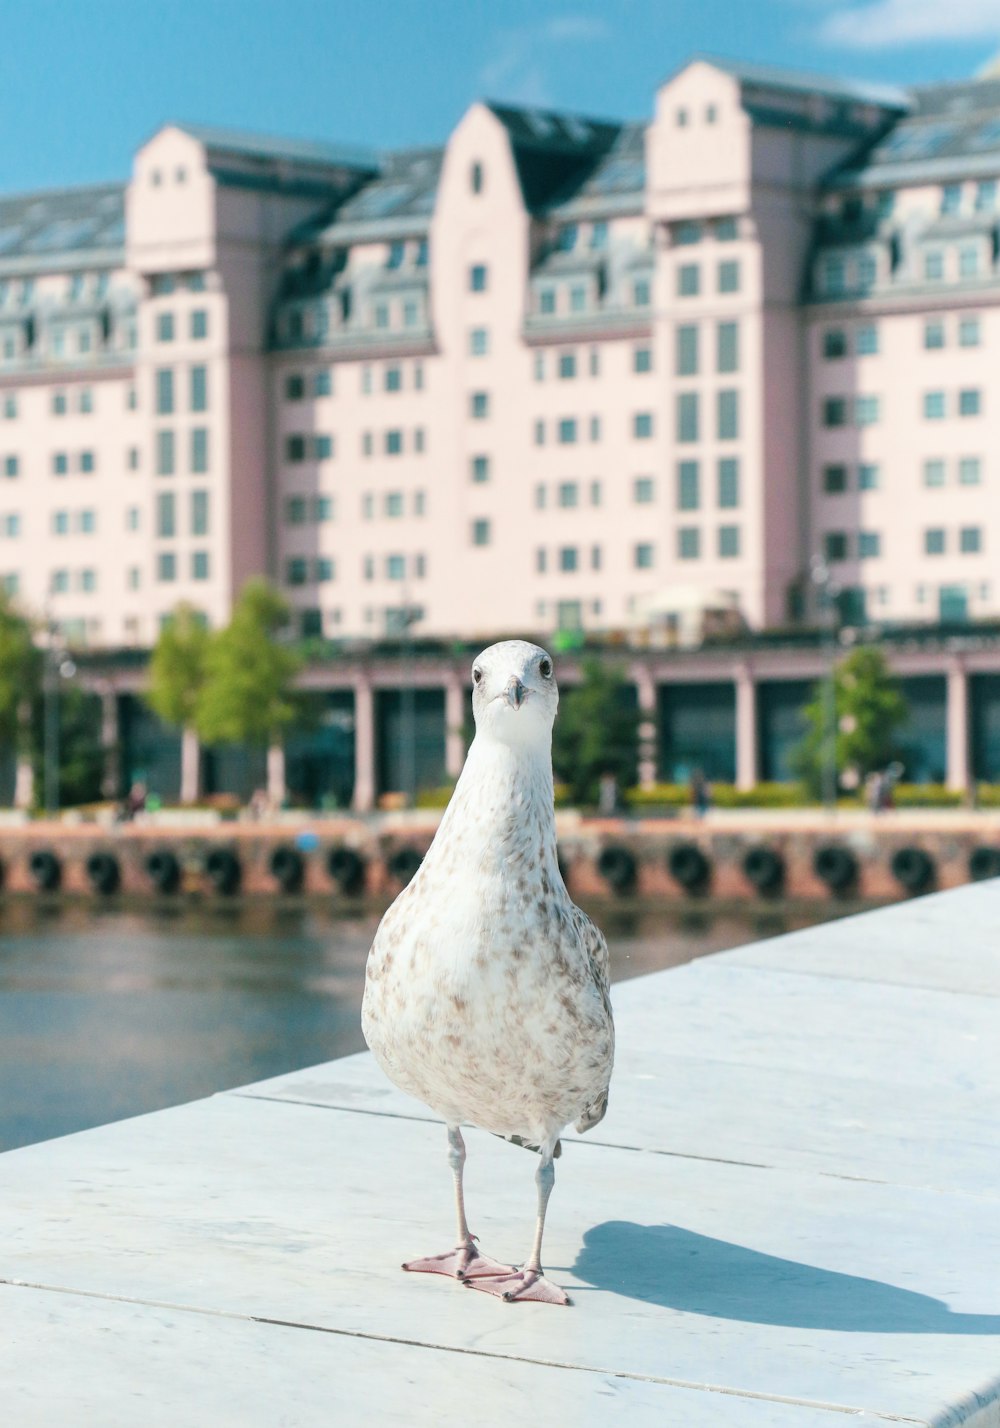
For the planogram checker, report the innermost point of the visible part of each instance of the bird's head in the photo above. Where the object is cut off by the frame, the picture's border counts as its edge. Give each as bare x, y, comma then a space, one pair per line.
514, 693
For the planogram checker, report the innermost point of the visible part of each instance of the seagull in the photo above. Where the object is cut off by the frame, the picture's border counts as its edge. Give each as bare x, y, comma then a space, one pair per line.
486, 992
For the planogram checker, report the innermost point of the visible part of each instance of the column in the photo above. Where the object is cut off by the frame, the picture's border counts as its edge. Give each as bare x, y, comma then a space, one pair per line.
958, 726
454, 721
646, 694
364, 747
746, 727
110, 744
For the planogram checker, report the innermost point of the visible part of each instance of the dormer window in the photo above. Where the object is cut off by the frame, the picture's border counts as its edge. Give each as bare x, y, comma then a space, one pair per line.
422, 253
397, 252
476, 177
566, 238
951, 198
599, 234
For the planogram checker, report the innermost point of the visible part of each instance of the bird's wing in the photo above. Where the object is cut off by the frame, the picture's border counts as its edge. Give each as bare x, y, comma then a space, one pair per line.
596, 948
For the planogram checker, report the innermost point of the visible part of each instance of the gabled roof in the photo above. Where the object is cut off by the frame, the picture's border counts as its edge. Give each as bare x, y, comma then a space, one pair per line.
801, 81
38, 230
269, 146
554, 153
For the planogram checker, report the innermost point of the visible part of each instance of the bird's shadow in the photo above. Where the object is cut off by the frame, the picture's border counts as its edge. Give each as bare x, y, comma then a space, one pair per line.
696, 1274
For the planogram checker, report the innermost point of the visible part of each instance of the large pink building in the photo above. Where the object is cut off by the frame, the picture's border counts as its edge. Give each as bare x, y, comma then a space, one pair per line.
558, 374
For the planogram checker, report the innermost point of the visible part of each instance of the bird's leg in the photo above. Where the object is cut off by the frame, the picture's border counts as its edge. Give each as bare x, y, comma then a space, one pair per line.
464, 1261
530, 1282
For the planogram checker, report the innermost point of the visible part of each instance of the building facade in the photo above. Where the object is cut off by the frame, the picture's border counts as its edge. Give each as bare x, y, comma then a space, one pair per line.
535, 380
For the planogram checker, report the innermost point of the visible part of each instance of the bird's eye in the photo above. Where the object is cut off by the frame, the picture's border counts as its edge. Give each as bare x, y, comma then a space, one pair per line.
545, 668
477, 674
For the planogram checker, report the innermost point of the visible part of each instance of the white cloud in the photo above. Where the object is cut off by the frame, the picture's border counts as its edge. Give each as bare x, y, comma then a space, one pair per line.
883, 23
517, 72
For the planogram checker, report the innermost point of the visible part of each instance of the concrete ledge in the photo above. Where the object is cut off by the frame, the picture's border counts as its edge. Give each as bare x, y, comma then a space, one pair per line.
792, 1212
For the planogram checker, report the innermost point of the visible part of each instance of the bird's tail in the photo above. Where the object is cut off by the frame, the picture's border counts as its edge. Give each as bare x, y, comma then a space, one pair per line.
526, 1145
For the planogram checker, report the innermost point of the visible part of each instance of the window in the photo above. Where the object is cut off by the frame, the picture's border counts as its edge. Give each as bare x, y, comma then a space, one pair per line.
869, 476
393, 503
367, 443
165, 327
834, 411
568, 558
595, 362
295, 448
295, 511
866, 340
418, 376
164, 453
199, 450
729, 482
10, 405
199, 389
729, 276
642, 359
164, 391
479, 405
641, 292
642, 557
642, 490
835, 545
951, 198
687, 233
866, 411
969, 402
478, 278
322, 446
934, 405
322, 508
323, 569
367, 505
296, 571
681, 117
729, 542
687, 416
595, 428
11, 466
833, 276
968, 262
133, 458
199, 324
688, 497
595, 559
199, 513
480, 468
934, 541
541, 560
322, 382
869, 545
933, 335
934, 266
970, 540
60, 522
727, 350
59, 581
476, 177
419, 503
595, 493
599, 234
87, 522
834, 480
393, 443
934, 472
567, 365
568, 493
165, 514
479, 342
392, 379
88, 581
642, 426
728, 415
968, 332
86, 401
58, 403
688, 543
395, 567
547, 302
687, 351
60, 463
688, 280
969, 471
567, 431
481, 532
577, 298
382, 315
986, 195
834, 343
199, 565
867, 270
87, 462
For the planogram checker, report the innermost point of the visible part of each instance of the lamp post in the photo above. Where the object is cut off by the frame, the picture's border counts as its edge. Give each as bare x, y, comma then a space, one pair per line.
827, 592
57, 666
404, 619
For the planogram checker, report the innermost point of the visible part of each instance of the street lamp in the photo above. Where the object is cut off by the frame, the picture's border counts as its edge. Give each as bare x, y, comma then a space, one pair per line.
826, 593
57, 666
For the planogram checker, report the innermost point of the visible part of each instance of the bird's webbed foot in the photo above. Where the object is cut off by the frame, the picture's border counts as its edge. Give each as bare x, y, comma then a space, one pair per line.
520, 1286
463, 1262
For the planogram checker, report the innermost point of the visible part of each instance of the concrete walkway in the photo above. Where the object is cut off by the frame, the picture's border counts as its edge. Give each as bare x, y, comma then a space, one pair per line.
791, 1213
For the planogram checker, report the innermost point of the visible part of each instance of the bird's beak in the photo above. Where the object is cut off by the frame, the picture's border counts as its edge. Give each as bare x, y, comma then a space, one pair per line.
515, 692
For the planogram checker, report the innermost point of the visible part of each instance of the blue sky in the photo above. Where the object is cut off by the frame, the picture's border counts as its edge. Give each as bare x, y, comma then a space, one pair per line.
83, 82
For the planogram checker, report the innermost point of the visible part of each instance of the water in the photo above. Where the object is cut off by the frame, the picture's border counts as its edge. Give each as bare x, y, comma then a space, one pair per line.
107, 1014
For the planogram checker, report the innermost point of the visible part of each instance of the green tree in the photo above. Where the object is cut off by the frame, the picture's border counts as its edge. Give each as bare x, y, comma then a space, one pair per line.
595, 733
81, 754
176, 681
20, 685
868, 710
247, 696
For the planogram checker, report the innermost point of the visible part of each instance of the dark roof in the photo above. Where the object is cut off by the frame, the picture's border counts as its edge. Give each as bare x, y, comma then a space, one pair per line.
37, 228
803, 81
554, 153
270, 146
618, 176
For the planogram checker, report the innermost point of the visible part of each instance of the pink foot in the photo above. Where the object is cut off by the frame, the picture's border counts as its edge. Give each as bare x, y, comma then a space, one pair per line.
463, 1262
521, 1285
